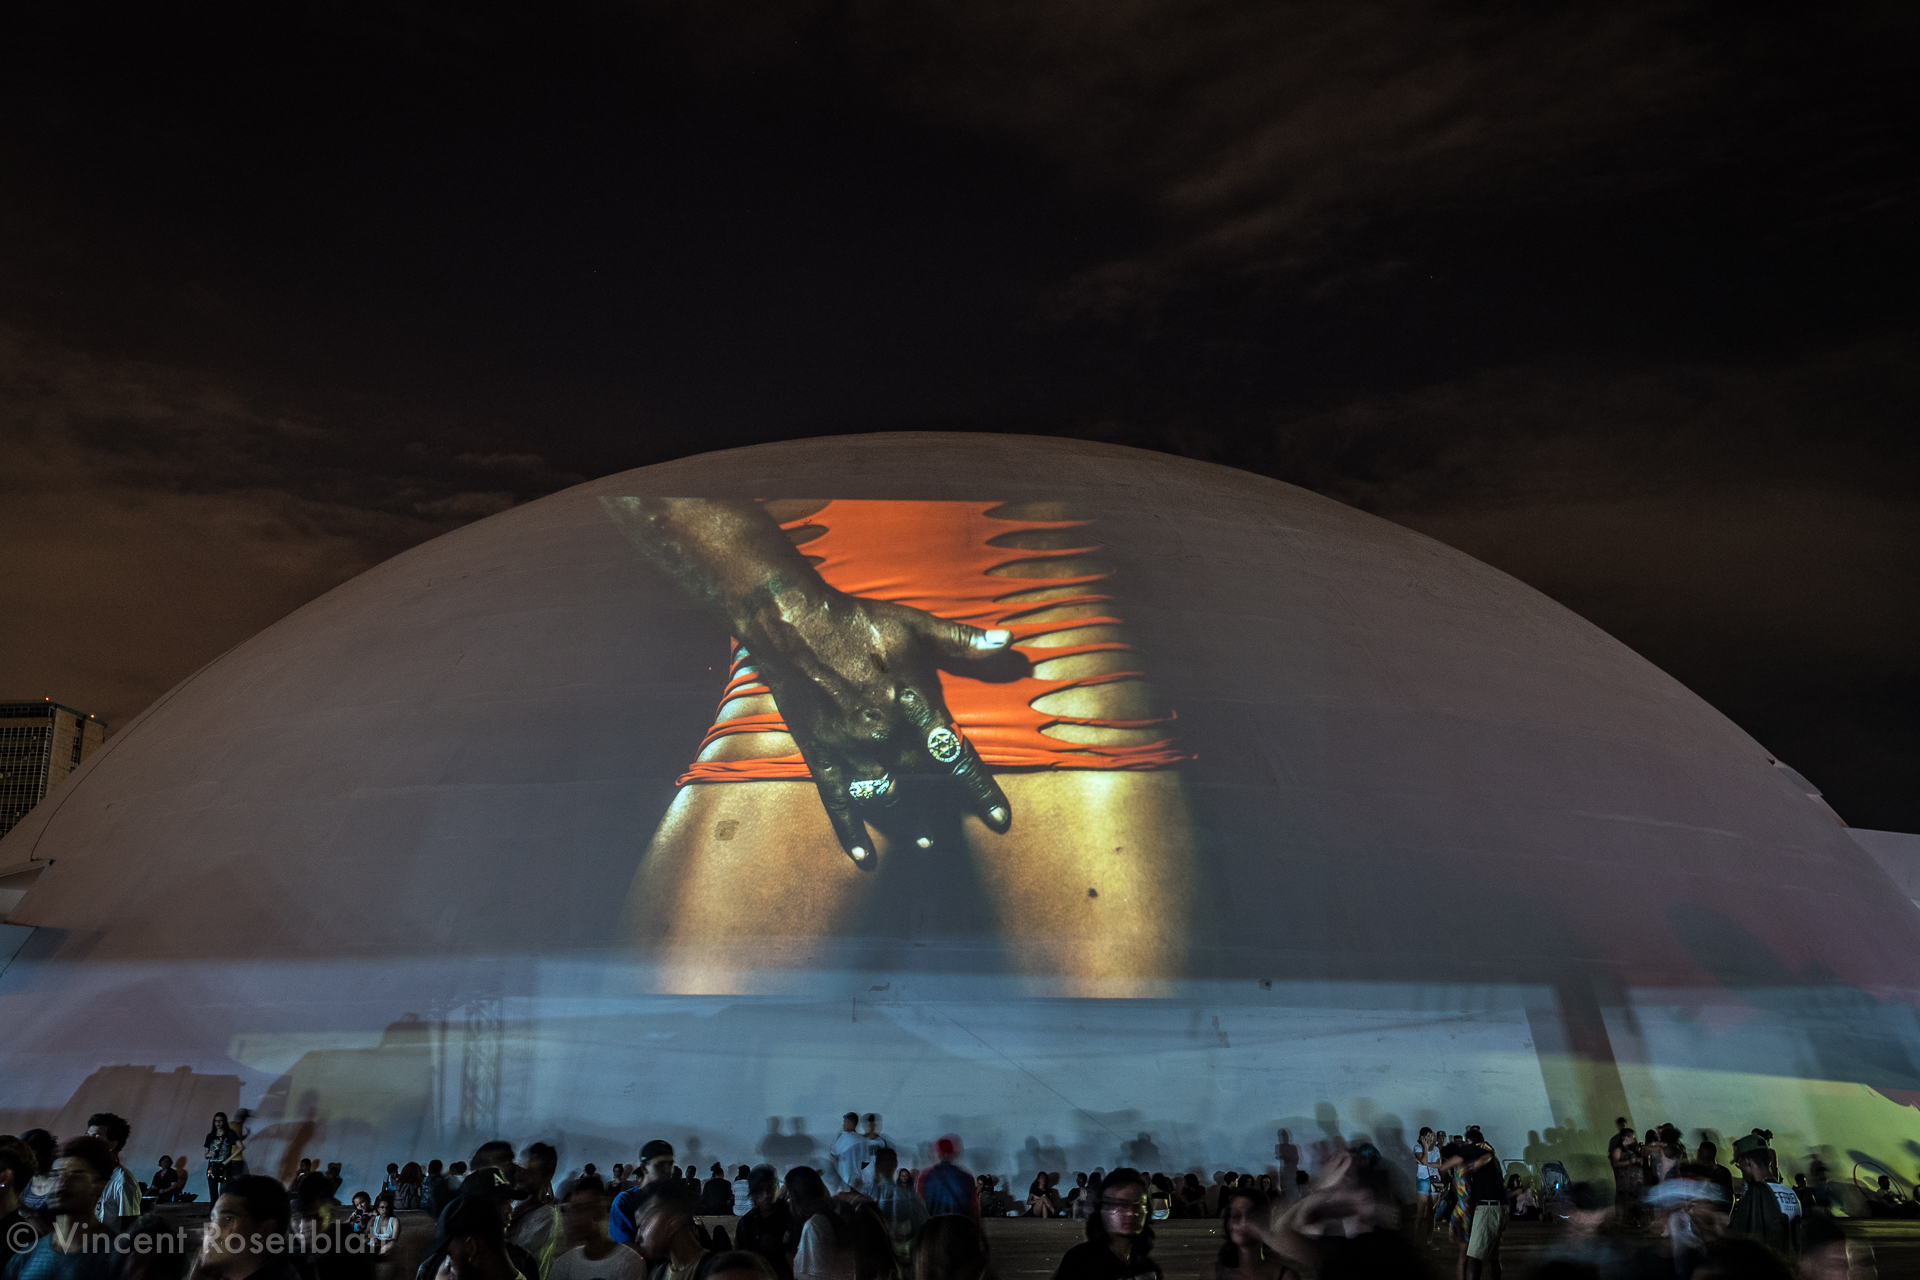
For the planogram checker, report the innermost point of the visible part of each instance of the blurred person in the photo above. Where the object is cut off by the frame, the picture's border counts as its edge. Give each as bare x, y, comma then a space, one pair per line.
823, 1251
1342, 1228
1593, 1239
164, 1185
1244, 1255
1623, 1154
1456, 1205
1191, 1195
470, 1242
1741, 1258
716, 1194
589, 1254
1119, 1240
383, 1229
248, 1232
1766, 1211
1522, 1204
152, 1249
120, 1198
656, 1165
1823, 1250
78, 1247
764, 1228
1075, 1205
438, 1193
493, 1186
664, 1230
870, 1132
38, 1198
951, 1247
456, 1175
409, 1187
17, 1168
994, 1202
535, 1222
945, 1186
735, 1264
1707, 1157
742, 1192
293, 1181
897, 1203
1685, 1215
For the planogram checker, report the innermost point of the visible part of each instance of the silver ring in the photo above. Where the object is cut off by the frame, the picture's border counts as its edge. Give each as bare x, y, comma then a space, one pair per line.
943, 744
870, 788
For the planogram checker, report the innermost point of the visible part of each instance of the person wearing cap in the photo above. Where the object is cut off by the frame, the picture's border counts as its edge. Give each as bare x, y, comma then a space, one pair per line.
656, 1165
1767, 1211
945, 1186
764, 1227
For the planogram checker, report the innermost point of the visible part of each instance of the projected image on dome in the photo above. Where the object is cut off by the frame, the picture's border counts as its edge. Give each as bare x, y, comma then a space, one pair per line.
951, 685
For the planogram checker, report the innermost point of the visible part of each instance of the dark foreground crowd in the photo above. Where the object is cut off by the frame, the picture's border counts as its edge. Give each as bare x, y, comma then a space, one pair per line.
73, 1212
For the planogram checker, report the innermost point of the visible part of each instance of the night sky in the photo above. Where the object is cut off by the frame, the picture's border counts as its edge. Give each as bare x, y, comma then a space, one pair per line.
1620, 298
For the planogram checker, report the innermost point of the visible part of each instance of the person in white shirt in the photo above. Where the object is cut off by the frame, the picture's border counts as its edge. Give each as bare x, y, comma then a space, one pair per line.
875, 1142
120, 1198
385, 1228
849, 1149
742, 1194
821, 1255
590, 1254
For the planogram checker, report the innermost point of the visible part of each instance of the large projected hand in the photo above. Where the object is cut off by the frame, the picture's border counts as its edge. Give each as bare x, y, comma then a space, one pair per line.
856, 680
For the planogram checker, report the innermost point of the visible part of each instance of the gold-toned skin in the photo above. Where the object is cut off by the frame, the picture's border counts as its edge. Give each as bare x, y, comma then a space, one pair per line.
1090, 886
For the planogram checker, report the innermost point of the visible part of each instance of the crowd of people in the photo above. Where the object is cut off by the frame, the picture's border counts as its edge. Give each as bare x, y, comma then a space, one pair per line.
866, 1214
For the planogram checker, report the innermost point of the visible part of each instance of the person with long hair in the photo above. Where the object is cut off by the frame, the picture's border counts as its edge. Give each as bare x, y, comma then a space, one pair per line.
1119, 1241
38, 1195
1243, 1254
1426, 1165
224, 1149
951, 1247
408, 1191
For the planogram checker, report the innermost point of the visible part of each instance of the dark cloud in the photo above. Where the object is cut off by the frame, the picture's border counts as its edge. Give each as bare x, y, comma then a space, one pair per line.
1618, 297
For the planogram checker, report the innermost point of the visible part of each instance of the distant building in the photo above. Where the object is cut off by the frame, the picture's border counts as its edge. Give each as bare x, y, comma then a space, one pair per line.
40, 744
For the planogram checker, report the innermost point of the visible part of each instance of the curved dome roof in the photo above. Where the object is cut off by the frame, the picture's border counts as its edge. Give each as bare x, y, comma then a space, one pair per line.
1402, 724
1408, 768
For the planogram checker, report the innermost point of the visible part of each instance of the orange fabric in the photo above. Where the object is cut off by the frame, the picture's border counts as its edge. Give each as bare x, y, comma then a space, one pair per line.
934, 556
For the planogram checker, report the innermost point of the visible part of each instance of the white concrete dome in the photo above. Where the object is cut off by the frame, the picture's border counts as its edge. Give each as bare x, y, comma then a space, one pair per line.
1459, 856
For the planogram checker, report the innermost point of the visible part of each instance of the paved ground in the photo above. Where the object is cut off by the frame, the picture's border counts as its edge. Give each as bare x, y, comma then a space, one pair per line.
1030, 1249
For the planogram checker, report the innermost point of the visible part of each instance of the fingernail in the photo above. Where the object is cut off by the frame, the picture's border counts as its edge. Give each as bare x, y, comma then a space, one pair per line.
924, 843
859, 854
995, 639
998, 814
